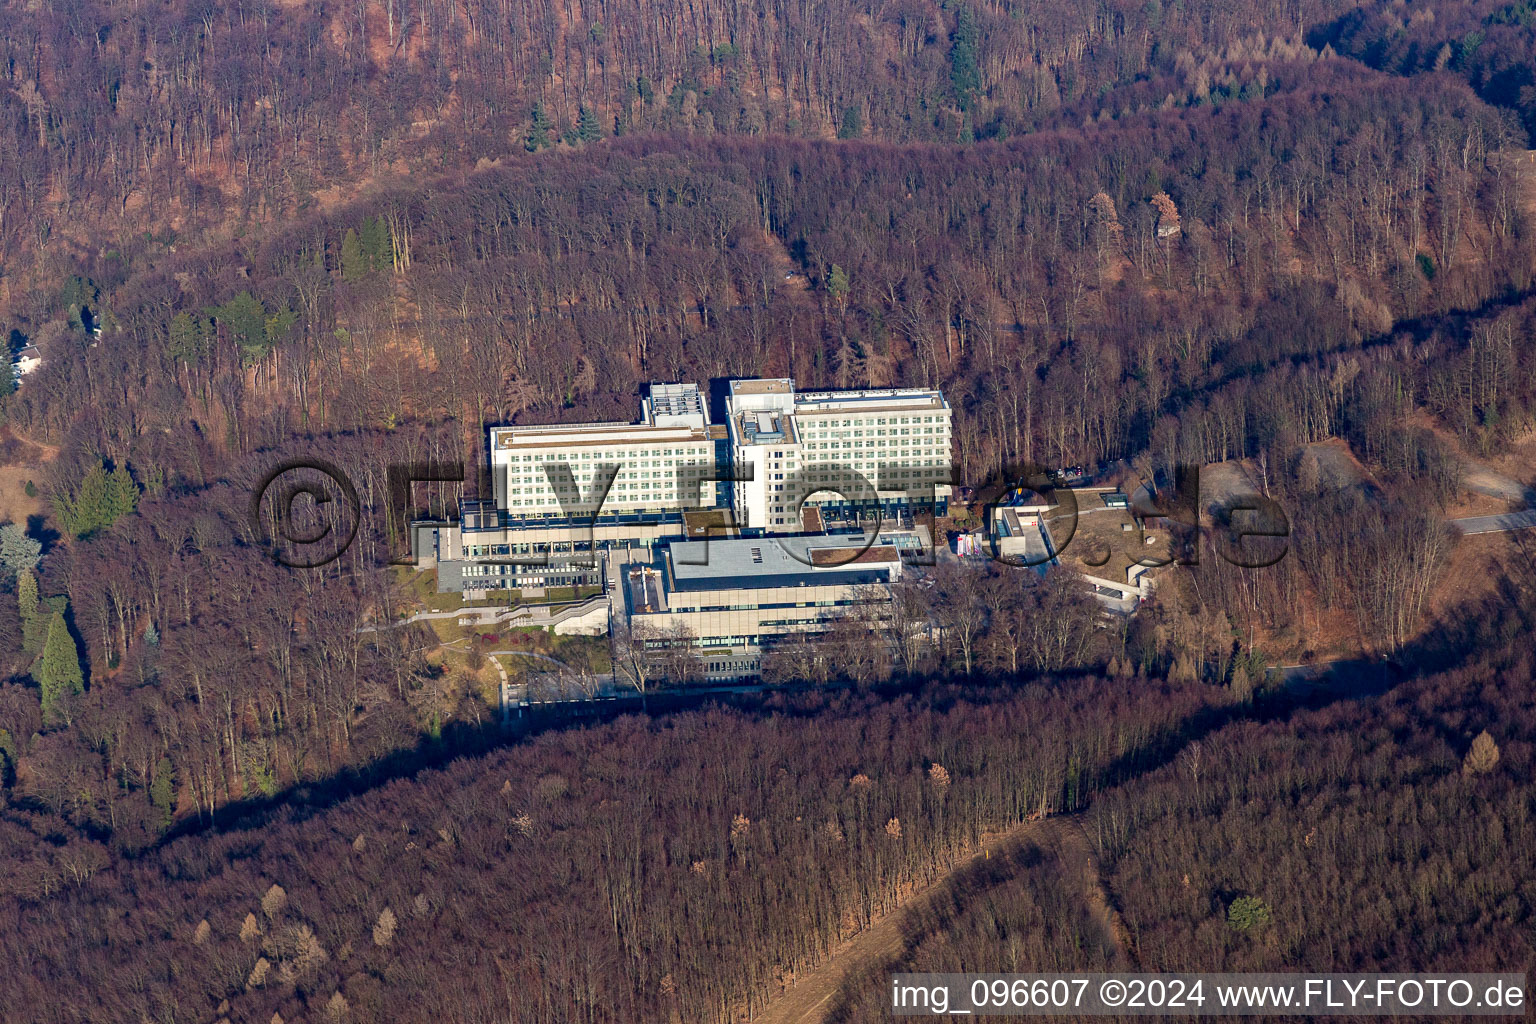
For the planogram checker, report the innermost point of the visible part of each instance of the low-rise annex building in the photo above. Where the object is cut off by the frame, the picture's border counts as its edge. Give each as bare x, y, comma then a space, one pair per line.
730, 599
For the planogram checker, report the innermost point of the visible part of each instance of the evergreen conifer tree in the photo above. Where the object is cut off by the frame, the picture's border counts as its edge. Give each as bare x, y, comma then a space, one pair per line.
26, 594
375, 244
354, 263
58, 673
122, 494
588, 128
538, 131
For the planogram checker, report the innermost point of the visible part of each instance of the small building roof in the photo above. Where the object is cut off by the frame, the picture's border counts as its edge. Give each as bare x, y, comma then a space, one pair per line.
784, 561
769, 386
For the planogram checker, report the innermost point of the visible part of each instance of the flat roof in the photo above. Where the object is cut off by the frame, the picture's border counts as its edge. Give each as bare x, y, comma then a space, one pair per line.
899, 398
780, 561
836, 409
594, 435
705, 522
768, 386
645, 591
676, 399
852, 555
757, 428
674, 405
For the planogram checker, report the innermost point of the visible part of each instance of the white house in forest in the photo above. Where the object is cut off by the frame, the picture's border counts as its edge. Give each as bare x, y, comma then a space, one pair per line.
25, 361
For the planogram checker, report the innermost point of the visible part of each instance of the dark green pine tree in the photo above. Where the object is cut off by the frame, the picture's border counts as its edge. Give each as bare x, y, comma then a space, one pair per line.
853, 124
588, 128
964, 70
58, 672
538, 131
122, 494
244, 319
354, 262
162, 791
85, 512
189, 338
376, 246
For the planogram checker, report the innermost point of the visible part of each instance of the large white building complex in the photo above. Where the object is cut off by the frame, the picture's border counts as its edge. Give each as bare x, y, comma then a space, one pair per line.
782, 462
834, 451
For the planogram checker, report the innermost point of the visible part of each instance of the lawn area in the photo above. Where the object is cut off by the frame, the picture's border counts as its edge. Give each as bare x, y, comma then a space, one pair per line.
566, 595
591, 651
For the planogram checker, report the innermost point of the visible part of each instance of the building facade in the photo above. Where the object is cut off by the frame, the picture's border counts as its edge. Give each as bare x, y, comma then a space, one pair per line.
805, 460
664, 463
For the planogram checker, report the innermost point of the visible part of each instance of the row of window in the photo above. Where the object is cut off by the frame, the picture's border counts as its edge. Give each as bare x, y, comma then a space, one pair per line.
558, 579
885, 442
688, 472
884, 421
930, 475
555, 548
636, 502
623, 457
639, 485
919, 433
514, 583
743, 668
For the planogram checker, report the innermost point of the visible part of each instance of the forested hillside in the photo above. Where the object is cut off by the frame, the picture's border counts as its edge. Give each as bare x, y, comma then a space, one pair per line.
1376, 831
1144, 234
1293, 231
1490, 43
1387, 832
1328, 255
636, 871
127, 125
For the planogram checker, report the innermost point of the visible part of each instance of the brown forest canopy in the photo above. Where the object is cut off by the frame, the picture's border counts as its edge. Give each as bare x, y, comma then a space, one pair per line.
167, 118
1369, 831
675, 863
362, 230
1312, 222
1298, 248
643, 869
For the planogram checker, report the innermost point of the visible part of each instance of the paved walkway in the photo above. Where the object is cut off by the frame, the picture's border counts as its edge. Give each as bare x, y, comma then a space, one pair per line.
541, 615
1502, 523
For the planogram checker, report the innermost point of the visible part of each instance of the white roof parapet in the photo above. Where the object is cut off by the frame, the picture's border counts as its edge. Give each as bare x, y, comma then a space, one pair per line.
674, 405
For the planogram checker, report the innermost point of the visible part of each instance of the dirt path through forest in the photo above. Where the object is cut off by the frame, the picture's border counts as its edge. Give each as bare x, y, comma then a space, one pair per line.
812, 995
1074, 849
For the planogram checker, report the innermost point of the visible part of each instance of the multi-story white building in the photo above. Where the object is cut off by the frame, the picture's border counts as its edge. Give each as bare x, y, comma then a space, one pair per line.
802, 463
664, 463
839, 453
